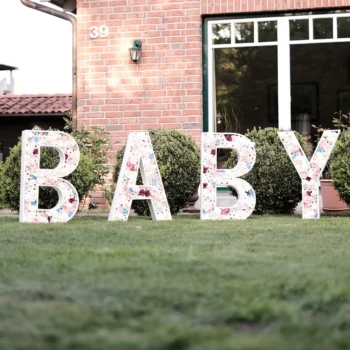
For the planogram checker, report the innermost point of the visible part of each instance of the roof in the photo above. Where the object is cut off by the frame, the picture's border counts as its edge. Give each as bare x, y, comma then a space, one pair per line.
6, 67
21, 105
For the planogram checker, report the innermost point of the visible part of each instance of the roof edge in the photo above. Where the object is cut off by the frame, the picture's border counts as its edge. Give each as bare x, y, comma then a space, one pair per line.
35, 95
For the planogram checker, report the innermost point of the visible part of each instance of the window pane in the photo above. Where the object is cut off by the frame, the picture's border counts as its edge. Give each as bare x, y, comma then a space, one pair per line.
243, 81
344, 27
317, 84
244, 32
299, 29
323, 28
221, 33
267, 31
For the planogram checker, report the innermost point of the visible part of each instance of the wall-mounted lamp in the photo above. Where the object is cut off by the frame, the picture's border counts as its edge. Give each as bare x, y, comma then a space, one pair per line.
136, 50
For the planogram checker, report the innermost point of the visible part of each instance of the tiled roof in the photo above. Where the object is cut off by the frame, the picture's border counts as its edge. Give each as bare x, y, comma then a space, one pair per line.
34, 104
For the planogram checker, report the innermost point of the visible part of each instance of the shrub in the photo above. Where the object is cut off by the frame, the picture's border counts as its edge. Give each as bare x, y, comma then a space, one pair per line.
90, 171
95, 144
276, 183
178, 161
340, 121
340, 166
10, 178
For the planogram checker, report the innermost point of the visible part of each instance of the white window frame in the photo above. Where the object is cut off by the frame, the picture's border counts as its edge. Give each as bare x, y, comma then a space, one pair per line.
283, 44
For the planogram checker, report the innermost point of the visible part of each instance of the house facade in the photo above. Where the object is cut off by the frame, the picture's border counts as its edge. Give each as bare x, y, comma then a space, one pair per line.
224, 66
212, 65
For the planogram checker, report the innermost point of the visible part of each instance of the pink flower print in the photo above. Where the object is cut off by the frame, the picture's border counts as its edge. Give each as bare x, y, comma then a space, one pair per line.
71, 200
205, 185
213, 152
51, 181
245, 207
228, 137
225, 211
132, 167
212, 189
307, 201
205, 169
146, 193
35, 151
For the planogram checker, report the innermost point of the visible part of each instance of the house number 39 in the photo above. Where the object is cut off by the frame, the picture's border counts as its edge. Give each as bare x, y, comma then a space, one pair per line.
96, 32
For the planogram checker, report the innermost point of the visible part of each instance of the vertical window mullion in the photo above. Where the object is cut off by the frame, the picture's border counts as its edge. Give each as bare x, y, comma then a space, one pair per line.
311, 29
335, 28
284, 90
211, 88
256, 32
233, 33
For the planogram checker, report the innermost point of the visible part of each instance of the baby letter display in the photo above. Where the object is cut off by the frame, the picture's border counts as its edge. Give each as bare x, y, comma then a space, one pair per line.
32, 177
211, 177
139, 154
310, 172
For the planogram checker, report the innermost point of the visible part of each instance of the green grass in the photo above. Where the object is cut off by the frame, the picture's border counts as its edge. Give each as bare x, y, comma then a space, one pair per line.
265, 283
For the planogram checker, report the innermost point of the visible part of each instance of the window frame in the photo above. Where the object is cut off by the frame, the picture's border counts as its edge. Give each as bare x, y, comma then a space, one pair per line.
283, 44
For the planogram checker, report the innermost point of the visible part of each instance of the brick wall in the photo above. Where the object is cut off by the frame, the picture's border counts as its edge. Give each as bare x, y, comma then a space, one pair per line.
164, 90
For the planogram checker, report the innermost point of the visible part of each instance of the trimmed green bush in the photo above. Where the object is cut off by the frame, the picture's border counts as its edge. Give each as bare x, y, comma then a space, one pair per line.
10, 178
90, 171
83, 178
275, 181
178, 161
340, 166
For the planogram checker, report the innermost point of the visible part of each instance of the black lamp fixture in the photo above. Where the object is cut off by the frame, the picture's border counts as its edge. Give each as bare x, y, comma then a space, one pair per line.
136, 50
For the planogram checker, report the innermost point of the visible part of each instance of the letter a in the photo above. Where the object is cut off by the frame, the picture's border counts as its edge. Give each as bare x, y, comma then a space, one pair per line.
139, 154
211, 177
32, 177
310, 172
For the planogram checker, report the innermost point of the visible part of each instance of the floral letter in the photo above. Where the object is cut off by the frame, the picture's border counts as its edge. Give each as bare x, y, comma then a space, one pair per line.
139, 154
310, 172
32, 177
211, 177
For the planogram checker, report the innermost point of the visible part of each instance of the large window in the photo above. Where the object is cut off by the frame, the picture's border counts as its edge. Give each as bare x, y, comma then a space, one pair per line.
287, 72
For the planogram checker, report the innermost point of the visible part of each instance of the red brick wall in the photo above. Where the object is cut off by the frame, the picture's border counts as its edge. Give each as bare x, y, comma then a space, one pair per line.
165, 89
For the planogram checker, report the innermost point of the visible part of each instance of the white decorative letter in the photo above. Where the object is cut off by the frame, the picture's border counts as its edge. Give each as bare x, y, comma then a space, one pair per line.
310, 172
139, 154
211, 177
32, 177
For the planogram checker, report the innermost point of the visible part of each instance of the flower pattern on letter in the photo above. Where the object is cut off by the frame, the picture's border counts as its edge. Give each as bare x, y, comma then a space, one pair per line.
32, 177
212, 178
310, 172
139, 154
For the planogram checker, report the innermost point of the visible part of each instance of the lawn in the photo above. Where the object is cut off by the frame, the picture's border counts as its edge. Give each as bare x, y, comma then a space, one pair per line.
265, 283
